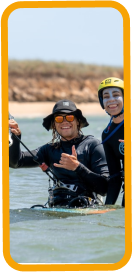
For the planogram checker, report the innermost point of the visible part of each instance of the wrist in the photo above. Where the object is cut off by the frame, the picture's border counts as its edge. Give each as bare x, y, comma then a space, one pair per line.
76, 165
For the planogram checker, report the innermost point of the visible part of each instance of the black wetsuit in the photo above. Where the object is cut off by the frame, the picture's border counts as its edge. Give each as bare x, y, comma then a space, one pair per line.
114, 151
91, 174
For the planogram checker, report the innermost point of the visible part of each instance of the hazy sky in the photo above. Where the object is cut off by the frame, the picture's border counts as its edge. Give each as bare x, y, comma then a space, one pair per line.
88, 35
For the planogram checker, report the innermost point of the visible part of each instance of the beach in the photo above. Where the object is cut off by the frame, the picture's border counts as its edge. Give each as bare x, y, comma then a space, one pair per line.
40, 109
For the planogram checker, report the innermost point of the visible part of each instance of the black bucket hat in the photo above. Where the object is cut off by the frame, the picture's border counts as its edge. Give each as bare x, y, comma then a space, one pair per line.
65, 106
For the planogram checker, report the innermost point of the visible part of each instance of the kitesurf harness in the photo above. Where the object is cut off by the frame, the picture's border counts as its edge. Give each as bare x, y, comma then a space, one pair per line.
67, 195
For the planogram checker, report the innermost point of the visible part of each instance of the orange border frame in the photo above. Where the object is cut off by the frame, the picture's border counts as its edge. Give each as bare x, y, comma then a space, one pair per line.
127, 123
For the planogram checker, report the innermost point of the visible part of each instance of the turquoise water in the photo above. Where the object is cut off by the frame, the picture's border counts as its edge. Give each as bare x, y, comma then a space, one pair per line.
36, 237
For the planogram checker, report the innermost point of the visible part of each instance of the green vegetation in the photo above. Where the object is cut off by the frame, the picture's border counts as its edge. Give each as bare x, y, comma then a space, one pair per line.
62, 69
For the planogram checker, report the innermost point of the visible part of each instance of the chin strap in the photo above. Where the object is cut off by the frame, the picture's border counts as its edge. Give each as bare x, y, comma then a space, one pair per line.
115, 116
122, 111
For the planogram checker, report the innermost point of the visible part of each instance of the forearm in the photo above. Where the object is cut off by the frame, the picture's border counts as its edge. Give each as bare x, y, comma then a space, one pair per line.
14, 152
19, 159
92, 181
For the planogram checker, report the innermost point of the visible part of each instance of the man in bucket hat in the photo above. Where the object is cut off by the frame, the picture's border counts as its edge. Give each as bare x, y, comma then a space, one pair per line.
77, 162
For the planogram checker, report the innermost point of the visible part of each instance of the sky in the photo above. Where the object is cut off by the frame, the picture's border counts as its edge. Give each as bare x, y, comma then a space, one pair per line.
86, 35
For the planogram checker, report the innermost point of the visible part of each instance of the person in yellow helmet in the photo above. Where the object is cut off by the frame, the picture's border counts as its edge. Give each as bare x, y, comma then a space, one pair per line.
111, 98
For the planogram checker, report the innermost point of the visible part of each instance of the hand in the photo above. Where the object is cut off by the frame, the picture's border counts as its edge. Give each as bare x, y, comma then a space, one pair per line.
74, 153
43, 166
67, 161
13, 125
121, 140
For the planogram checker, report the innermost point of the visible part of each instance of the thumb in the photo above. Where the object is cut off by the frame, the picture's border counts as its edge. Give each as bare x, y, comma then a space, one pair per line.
74, 153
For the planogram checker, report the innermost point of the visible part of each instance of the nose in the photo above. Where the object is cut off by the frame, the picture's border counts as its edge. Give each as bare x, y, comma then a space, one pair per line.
111, 99
64, 120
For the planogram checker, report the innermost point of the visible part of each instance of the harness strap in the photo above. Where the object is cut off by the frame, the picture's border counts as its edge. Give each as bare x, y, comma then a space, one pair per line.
113, 132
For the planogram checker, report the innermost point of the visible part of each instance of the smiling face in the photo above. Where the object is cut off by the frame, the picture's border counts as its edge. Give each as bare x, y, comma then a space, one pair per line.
68, 130
113, 100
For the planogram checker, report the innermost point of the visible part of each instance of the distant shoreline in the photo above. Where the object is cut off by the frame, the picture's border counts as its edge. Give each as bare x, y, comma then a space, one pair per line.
42, 109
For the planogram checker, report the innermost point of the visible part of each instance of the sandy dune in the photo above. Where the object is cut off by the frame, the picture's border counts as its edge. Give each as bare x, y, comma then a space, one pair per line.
36, 109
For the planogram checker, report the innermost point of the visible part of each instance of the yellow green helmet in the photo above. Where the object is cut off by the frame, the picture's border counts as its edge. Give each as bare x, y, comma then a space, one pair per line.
109, 82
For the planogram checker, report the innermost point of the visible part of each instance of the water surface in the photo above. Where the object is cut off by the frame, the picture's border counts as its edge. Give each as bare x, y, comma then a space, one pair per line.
36, 237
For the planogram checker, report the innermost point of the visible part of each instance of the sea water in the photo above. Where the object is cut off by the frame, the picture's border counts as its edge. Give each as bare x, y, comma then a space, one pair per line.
39, 238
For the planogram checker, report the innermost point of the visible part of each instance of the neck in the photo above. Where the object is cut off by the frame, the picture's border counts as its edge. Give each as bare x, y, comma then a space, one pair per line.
68, 138
118, 119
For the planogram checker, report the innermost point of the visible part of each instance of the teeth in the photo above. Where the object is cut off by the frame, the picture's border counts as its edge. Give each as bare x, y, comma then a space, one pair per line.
112, 106
65, 127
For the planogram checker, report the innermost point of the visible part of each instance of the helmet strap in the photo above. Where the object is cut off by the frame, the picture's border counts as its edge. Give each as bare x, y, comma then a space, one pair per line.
122, 111
115, 116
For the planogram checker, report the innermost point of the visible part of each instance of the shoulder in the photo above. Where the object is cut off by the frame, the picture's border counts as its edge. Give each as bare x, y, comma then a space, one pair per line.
91, 141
